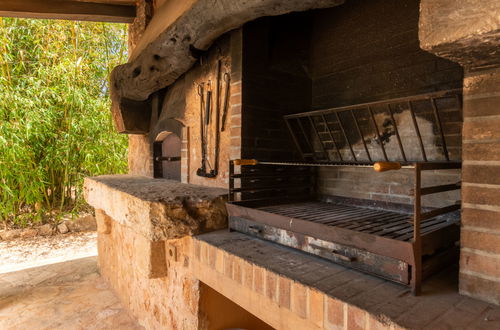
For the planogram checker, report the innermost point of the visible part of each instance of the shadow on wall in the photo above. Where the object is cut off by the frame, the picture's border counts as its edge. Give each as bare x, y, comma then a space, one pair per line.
217, 312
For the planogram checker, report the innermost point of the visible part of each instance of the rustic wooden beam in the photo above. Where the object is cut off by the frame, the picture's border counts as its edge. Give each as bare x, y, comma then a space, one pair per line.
68, 10
174, 50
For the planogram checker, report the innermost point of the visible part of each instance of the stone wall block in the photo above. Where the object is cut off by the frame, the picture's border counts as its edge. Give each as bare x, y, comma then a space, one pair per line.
464, 31
158, 209
103, 222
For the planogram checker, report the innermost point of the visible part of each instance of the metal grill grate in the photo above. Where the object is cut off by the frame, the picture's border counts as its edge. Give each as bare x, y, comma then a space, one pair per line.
384, 223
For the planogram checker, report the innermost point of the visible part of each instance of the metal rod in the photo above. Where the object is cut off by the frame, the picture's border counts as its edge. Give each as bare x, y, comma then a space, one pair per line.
440, 165
362, 136
307, 139
294, 138
397, 132
440, 127
441, 188
362, 105
168, 159
345, 136
322, 164
311, 121
417, 130
417, 239
227, 81
423, 166
436, 212
231, 181
331, 137
378, 133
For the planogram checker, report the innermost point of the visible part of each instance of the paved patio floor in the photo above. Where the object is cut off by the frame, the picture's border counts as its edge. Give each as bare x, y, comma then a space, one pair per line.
66, 292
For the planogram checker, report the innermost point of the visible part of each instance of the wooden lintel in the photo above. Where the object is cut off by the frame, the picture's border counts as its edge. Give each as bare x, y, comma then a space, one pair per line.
68, 10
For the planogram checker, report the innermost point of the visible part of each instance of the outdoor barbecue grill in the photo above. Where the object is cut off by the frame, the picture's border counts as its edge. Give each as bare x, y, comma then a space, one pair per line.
279, 202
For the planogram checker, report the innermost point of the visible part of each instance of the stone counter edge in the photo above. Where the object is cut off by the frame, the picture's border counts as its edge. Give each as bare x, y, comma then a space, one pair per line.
158, 209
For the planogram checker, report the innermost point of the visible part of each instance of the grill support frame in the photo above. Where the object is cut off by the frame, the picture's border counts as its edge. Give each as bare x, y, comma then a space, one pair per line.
410, 252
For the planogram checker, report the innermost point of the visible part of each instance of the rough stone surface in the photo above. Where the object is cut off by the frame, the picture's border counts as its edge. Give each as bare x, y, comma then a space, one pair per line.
167, 302
39, 251
8, 235
158, 209
45, 230
171, 53
464, 31
140, 155
62, 228
29, 232
83, 223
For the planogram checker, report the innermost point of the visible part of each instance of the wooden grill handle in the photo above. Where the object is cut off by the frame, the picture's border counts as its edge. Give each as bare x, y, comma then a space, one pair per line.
386, 166
245, 162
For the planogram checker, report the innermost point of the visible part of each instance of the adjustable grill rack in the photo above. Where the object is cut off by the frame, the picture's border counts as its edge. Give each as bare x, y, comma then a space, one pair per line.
277, 201
362, 132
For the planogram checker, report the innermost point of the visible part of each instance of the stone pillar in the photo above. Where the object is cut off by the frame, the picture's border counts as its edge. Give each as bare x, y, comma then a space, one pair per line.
468, 32
480, 252
140, 154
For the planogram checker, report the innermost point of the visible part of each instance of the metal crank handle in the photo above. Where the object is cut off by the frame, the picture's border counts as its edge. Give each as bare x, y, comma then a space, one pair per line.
386, 166
240, 162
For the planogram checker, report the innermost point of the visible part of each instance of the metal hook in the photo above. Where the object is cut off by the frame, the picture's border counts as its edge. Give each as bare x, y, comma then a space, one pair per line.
200, 89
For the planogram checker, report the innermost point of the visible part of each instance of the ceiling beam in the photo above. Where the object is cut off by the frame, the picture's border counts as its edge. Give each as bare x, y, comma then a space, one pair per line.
68, 10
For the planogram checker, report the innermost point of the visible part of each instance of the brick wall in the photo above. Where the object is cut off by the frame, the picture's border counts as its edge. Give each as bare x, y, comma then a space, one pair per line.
275, 298
369, 50
480, 252
358, 52
366, 51
274, 84
234, 116
181, 104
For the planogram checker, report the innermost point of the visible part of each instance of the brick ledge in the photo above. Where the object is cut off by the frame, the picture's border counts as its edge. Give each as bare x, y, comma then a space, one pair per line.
287, 288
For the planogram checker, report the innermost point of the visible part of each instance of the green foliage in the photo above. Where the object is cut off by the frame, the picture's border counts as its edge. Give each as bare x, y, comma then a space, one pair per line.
55, 123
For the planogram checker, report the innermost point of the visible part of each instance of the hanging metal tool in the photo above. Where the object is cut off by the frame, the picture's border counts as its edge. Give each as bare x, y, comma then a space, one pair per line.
201, 89
205, 124
217, 120
203, 170
227, 81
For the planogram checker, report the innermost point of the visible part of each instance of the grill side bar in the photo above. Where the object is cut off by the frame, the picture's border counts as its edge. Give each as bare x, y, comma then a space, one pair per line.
416, 271
440, 128
295, 140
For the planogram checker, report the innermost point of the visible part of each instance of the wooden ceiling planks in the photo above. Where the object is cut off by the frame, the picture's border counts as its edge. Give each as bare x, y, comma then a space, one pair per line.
116, 11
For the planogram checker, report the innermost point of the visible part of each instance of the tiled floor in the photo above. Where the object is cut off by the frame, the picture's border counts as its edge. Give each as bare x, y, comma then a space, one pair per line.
66, 295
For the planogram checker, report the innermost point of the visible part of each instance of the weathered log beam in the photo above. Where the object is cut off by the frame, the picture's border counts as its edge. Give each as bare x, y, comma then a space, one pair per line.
171, 53
69, 10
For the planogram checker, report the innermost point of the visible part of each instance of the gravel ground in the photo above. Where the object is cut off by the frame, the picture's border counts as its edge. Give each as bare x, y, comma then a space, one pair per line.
20, 254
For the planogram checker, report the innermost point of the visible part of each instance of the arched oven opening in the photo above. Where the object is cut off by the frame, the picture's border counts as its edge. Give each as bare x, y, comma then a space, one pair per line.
167, 156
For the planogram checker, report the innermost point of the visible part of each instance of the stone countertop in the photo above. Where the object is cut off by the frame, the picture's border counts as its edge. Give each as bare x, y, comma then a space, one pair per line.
158, 209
